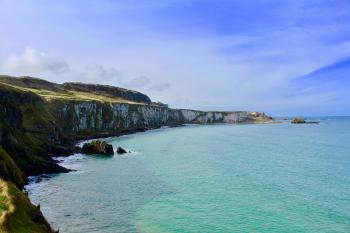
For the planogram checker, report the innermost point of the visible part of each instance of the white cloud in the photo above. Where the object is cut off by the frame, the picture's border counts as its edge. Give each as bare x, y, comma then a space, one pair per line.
95, 73
33, 62
139, 82
98, 74
160, 87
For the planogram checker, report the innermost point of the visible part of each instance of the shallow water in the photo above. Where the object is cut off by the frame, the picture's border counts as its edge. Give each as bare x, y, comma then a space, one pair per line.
217, 178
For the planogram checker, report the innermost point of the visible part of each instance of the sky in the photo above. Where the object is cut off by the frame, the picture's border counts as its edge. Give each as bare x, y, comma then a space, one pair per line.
282, 57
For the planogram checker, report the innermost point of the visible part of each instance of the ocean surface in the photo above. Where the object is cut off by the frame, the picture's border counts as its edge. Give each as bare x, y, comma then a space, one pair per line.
214, 178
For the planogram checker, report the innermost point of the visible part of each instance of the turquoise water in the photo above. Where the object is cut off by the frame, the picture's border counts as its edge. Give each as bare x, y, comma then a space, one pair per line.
217, 178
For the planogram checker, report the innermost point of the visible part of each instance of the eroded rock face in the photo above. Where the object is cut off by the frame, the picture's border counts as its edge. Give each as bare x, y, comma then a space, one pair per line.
99, 119
97, 147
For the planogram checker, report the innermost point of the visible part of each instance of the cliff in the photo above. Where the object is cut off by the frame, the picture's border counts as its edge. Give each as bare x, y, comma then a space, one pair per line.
40, 118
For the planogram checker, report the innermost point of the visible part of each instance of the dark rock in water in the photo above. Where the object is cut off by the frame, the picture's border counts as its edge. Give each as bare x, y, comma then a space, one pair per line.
63, 150
97, 147
49, 167
302, 121
121, 150
298, 121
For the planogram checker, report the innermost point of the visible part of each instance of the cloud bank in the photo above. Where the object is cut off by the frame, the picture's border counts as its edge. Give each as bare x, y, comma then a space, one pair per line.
33, 61
99, 74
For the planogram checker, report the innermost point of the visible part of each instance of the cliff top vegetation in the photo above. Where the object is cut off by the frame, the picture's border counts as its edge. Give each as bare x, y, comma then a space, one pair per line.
17, 214
73, 91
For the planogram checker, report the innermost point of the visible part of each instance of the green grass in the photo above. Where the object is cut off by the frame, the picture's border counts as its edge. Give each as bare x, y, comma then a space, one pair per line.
3, 205
69, 95
65, 95
17, 214
9, 169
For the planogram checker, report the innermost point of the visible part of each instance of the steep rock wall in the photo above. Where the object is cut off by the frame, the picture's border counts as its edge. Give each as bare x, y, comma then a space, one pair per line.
96, 118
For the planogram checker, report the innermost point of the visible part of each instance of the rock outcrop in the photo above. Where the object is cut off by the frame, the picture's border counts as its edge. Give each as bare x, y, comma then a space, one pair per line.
298, 121
121, 150
302, 121
97, 147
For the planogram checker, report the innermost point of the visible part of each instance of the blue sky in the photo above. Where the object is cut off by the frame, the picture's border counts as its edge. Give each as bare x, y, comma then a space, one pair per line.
284, 57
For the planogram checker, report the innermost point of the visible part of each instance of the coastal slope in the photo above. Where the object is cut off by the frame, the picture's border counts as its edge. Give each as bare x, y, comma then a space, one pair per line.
17, 214
39, 119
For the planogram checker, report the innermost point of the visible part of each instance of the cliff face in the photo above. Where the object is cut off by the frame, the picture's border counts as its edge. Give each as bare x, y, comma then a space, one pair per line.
91, 118
27, 132
38, 118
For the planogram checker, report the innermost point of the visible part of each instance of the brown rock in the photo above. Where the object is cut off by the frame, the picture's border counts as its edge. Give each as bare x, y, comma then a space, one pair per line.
298, 121
97, 147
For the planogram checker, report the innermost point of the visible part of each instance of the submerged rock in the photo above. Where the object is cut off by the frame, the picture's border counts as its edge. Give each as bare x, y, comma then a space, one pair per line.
298, 121
121, 150
97, 147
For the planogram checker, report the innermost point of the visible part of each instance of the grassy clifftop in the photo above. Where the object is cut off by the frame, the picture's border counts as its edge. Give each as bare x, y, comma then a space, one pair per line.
74, 91
17, 214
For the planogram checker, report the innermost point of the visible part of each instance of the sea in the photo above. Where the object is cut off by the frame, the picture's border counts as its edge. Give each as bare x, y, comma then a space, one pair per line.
268, 178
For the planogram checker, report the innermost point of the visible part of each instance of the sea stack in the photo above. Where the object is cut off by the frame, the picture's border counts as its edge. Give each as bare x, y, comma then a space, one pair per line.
298, 121
302, 121
97, 147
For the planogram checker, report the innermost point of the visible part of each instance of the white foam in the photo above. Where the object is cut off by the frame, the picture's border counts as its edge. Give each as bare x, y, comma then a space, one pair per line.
71, 162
